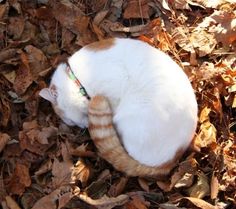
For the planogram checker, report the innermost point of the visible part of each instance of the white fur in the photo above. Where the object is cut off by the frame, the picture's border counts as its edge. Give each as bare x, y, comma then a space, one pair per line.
155, 110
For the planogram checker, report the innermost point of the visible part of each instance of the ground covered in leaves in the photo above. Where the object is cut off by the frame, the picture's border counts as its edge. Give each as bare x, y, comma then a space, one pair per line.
45, 164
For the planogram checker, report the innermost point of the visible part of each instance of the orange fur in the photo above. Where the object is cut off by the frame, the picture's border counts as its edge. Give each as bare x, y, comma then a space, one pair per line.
110, 148
101, 45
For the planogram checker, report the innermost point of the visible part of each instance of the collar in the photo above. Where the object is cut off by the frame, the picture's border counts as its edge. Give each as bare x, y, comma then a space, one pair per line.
73, 77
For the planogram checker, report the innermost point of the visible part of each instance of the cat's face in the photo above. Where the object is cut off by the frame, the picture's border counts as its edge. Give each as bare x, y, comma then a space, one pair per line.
67, 104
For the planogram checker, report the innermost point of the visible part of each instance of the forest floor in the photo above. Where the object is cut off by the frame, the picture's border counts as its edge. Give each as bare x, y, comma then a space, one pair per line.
46, 164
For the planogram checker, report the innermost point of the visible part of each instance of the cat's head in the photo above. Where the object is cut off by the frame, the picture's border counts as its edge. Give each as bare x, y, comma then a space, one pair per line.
66, 101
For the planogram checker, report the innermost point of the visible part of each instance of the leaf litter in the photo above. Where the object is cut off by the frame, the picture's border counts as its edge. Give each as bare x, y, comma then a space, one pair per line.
45, 164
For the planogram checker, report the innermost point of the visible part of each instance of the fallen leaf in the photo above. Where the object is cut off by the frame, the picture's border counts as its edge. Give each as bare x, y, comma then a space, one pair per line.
16, 27
137, 202
214, 186
19, 180
200, 203
118, 187
23, 75
7, 54
136, 9
170, 206
206, 136
201, 188
56, 199
80, 151
37, 61
80, 172
104, 202
183, 175
4, 139
222, 25
46, 133
11, 203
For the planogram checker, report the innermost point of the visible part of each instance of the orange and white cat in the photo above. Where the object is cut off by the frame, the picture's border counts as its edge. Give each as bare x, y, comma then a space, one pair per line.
138, 89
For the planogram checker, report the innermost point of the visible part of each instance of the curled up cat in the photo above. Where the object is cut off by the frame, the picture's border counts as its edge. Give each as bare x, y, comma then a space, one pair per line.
138, 104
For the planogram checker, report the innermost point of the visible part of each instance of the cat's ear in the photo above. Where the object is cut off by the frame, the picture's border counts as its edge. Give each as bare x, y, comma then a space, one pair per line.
49, 94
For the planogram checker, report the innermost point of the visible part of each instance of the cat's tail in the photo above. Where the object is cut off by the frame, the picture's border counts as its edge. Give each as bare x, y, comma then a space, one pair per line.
109, 146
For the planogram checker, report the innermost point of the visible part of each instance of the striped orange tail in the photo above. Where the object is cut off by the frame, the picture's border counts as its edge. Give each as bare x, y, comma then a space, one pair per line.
109, 146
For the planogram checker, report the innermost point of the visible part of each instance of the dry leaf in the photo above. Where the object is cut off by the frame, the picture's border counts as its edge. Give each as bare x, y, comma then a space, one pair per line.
4, 139
211, 4
214, 186
23, 76
55, 200
169, 206
206, 136
7, 54
80, 151
80, 172
185, 181
136, 9
16, 27
201, 188
20, 179
222, 25
37, 61
137, 202
47, 166
144, 184
61, 172
105, 202
200, 203
11, 203
118, 187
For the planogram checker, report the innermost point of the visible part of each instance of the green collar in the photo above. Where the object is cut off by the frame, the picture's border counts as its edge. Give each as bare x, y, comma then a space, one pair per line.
77, 82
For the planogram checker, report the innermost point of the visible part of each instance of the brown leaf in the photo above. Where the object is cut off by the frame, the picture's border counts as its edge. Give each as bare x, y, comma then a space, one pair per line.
61, 172
73, 19
80, 151
214, 187
80, 172
170, 206
105, 202
222, 24
3, 10
144, 184
118, 187
201, 188
46, 133
27, 126
60, 196
136, 9
206, 136
28, 142
5, 111
137, 203
20, 179
183, 175
7, 54
210, 4
10, 76
4, 139
200, 203
11, 203
37, 61
45, 167
23, 75
16, 27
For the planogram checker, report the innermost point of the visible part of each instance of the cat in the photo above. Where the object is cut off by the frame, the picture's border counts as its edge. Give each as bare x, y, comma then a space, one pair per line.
139, 105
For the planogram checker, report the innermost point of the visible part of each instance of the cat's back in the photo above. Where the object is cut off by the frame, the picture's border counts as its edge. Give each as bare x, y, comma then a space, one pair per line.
124, 63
